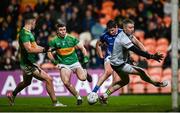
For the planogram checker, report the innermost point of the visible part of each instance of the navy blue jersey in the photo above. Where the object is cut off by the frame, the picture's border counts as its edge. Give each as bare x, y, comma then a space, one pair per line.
109, 41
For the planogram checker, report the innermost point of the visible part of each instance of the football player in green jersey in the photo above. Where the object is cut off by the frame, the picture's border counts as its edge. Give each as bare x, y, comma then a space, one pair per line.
28, 50
67, 59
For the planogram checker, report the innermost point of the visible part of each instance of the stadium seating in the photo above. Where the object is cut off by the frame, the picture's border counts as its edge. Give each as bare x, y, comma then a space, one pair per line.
162, 41
150, 45
3, 44
139, 35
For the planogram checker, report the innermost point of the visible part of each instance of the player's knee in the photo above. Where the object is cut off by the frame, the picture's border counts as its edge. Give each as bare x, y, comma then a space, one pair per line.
108, 72
83, 78
66, 83
49, 79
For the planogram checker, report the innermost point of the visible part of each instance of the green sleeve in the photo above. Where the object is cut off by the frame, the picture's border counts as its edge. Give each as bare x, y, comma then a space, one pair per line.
75, 40
25, 38
51, 43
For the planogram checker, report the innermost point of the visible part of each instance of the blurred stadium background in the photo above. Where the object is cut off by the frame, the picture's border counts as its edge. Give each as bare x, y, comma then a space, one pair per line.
87, 20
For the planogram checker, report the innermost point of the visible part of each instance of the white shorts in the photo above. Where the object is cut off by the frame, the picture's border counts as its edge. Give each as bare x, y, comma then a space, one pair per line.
70, 67
107, 60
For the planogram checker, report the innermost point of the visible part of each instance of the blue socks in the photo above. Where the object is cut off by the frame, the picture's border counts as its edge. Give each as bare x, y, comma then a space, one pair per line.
96, 89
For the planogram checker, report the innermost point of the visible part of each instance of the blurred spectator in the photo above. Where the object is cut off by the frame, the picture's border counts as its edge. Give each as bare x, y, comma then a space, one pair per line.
88, 21
81, 5
167, 7
96, 30
141, 18
53, 12
28, 9
8, 61
6, 31
167, 60
61, 15
74, 23
3, 46
40, 6
42, 38
151, 29
13, 9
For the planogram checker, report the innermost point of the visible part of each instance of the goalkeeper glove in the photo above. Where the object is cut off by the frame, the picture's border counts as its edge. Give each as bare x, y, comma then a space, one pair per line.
157, 56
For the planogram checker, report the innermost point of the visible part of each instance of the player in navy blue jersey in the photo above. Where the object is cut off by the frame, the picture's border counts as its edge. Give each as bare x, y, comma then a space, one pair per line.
104, 48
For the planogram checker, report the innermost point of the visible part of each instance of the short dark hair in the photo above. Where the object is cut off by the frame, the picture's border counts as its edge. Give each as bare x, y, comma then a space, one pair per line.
60, 25
111, 24
29, 16
127, 21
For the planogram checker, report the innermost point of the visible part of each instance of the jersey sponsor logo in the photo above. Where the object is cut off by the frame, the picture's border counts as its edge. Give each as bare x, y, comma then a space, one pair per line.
66, 51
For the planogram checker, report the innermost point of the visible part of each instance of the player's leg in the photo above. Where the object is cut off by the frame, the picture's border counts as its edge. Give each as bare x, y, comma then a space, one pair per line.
130, 69
107, 72
115, 77
65, 77
26, 82
116, 85
89, 77
145, 76
82, 75
43, 76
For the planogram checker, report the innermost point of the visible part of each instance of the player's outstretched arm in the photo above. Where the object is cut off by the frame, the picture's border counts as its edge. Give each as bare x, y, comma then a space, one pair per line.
51, 58
138, 43
82, 48
157, 56
85, 54
99, 50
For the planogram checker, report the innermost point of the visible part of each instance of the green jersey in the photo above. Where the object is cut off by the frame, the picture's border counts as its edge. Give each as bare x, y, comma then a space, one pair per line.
65, 49
25, 57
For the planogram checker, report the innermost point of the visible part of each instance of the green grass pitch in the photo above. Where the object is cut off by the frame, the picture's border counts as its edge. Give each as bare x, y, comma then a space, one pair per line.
125, 103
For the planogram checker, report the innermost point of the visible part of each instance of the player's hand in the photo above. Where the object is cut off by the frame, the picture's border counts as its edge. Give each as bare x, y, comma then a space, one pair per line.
143, 59
101, 56
52, 49
49, 49
157, 56
46, 48
86, 59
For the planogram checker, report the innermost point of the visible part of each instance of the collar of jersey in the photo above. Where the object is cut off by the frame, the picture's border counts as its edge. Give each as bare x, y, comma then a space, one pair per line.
64, 36
26, 29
